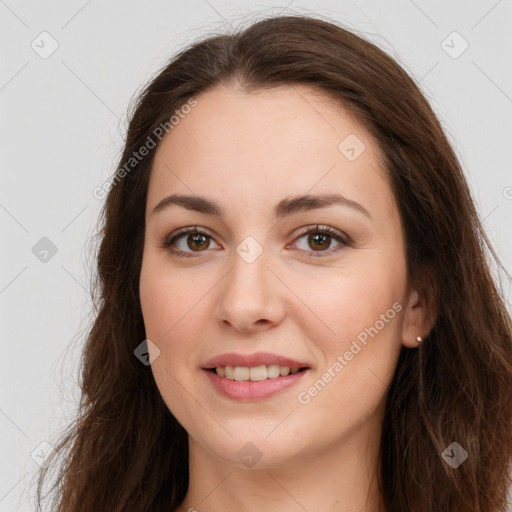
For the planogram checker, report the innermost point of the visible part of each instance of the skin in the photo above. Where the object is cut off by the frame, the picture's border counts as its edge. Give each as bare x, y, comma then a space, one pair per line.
247, 152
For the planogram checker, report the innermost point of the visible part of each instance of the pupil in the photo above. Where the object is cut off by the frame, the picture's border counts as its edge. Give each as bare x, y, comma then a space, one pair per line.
195, 238
325, 237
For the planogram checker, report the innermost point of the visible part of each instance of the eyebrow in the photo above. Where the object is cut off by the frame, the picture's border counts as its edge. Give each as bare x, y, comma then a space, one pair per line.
285, 207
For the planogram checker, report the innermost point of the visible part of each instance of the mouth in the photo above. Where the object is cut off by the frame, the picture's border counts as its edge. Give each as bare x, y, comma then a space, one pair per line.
242, 383
255, 373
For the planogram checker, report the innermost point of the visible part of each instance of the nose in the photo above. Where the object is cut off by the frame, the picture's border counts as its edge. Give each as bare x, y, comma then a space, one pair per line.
250, 296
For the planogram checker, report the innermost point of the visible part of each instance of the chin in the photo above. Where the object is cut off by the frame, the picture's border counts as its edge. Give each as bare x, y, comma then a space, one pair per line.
246, 451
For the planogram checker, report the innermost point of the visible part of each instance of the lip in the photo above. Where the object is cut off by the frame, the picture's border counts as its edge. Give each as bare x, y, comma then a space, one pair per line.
251, 360
247, 390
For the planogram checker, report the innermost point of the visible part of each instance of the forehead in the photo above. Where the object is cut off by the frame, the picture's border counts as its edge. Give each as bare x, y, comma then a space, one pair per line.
287, 140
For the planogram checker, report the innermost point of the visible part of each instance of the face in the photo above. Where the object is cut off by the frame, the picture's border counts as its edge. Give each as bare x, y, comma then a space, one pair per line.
260, 275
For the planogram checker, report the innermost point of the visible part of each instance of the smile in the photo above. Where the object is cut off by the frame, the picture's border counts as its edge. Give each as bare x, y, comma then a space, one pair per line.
241, 387
254, 373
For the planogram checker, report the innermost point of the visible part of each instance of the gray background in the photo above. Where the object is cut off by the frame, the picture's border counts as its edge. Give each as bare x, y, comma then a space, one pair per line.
63, 119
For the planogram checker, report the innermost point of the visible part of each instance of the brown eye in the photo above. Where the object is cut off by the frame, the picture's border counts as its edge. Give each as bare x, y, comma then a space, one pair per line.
319, 240
197, 242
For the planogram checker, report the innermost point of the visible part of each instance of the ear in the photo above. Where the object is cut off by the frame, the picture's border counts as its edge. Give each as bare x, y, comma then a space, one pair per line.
419, 319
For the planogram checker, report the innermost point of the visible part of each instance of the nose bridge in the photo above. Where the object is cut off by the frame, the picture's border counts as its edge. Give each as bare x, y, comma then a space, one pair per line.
250, 290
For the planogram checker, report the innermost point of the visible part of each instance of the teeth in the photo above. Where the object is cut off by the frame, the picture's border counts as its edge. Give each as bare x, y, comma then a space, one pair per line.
241, 373
258, 373
255, 373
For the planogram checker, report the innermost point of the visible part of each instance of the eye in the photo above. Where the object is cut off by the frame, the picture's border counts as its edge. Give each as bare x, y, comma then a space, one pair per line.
318, 237
195, 239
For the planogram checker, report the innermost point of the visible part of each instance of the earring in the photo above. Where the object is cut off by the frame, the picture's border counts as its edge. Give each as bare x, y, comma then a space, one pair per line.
419, 339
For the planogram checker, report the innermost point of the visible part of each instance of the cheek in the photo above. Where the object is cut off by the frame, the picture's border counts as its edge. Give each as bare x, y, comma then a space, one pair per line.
338, 305
359, 350
174, 320
169, 299
176, 306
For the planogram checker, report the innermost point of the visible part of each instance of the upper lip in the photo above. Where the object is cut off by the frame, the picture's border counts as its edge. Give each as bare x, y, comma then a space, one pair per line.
251, 360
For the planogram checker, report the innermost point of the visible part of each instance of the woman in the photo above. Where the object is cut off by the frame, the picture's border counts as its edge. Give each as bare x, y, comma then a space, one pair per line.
296, 310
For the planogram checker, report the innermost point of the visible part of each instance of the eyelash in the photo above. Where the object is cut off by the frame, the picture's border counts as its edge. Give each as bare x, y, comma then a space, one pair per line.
324, 230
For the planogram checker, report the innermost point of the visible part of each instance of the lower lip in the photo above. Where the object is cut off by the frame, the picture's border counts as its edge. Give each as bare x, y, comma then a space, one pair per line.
252, 390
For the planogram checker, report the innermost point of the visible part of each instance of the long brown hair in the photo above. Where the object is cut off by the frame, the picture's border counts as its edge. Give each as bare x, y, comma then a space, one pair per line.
126, 451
